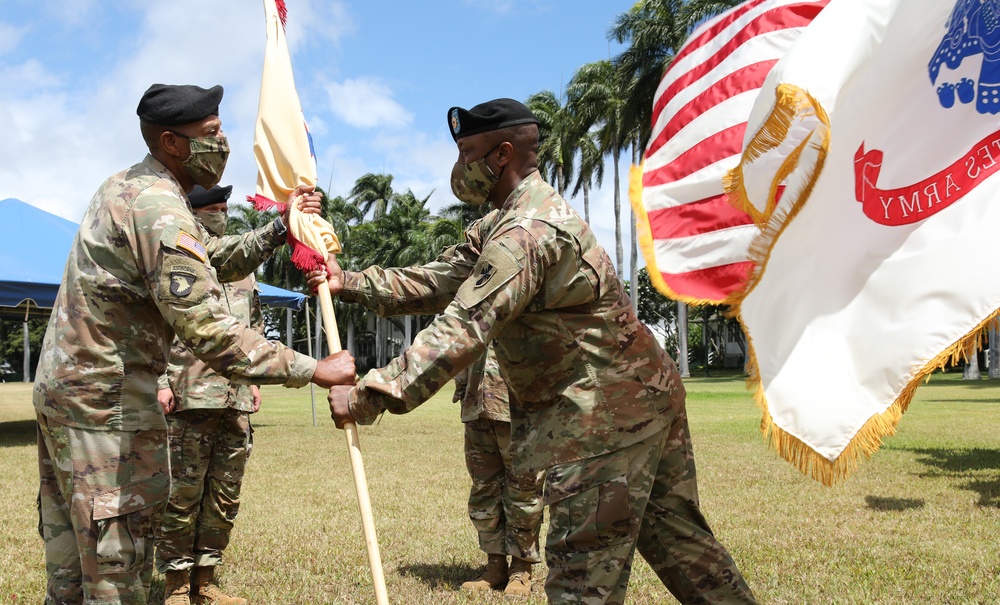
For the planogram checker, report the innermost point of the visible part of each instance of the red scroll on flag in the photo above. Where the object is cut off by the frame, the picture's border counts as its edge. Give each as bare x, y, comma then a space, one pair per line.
695, 242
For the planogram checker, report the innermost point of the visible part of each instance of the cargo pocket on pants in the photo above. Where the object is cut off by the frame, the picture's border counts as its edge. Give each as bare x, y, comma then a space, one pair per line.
589, 506
124, 517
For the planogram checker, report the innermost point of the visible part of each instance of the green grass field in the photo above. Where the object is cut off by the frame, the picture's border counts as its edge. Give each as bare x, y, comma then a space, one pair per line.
917, 524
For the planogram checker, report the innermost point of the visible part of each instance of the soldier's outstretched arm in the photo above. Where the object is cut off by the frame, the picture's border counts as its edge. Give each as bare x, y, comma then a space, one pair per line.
174, 265
420, 289
508, 276
237, 256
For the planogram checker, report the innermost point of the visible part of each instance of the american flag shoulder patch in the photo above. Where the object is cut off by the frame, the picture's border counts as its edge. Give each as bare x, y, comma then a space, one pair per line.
188, 242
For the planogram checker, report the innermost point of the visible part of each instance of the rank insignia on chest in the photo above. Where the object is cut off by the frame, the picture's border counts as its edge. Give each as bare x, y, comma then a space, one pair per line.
187, 242
484, 275
181, 282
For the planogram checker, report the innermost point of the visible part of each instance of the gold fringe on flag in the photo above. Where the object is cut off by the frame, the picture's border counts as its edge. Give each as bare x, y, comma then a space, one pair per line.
868, 439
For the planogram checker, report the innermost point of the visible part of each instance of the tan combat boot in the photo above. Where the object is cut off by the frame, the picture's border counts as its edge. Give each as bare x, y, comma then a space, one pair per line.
519, 584
204, 591
177, 587
493, 577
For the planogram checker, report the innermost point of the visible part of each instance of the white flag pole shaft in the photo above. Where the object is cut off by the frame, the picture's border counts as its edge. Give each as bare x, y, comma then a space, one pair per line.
357, 464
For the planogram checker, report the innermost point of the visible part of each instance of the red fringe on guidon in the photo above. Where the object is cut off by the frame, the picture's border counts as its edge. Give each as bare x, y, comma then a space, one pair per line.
304, 258
282, 12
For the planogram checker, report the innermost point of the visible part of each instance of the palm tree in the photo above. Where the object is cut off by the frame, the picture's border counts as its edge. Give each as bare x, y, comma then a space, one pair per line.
591, 168
373, 192
556, 137
595, 96
464, 214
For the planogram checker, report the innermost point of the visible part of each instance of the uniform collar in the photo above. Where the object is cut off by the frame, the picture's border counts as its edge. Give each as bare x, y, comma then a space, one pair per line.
519, 190
157, 167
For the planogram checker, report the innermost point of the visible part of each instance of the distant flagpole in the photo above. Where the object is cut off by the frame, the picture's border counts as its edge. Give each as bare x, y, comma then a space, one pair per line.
285, 160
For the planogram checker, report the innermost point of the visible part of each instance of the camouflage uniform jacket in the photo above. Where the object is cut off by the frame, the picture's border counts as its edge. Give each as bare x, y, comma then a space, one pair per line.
138, 274
586, 377
482, 390
195, 385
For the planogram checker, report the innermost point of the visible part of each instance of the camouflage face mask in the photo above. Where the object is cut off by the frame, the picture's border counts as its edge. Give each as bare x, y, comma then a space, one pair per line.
472, 183
207, 161
214, 222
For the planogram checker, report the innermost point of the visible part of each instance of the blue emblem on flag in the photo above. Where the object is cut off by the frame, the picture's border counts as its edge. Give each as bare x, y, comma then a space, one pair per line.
973, 28
312, 150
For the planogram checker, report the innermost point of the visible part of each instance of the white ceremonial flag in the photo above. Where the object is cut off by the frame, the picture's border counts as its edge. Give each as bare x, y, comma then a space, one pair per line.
880, 124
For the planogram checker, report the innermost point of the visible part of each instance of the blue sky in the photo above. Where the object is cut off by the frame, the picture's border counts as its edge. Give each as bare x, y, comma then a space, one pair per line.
375, 80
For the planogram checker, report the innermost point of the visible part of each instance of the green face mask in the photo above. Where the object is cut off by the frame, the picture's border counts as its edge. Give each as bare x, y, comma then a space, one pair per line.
207, 161
214, 222
473, 183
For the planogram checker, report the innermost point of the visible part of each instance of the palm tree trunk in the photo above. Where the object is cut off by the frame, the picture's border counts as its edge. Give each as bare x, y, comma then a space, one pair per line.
619, 255
682, 340
586, 202
408, 335
634, 256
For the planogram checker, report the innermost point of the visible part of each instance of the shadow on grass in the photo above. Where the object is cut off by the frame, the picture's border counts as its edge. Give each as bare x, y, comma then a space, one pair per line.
893, 504
967, 464
18, 433
441, 575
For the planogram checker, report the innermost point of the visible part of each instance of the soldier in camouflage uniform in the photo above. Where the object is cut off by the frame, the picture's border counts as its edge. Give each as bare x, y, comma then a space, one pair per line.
505, 506
141, 270
208, 427
593, 398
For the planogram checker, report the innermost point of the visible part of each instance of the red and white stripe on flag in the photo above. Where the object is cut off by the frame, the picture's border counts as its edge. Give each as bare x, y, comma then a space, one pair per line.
695, 242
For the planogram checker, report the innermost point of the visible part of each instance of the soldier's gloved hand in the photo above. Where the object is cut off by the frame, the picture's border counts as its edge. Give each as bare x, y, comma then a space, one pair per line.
340, 409
335, 369
166, 399
334, 280
309, 204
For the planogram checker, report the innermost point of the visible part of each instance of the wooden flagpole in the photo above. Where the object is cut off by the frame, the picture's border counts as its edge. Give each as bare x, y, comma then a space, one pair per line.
357, 464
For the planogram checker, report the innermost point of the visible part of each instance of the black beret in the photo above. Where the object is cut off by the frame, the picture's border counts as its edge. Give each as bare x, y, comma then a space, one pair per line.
170, 105
491, 115
200, 197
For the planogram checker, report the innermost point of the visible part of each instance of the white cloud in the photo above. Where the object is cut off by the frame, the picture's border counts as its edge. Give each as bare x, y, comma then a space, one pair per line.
315, 21
29, 76
366, 103
10, 37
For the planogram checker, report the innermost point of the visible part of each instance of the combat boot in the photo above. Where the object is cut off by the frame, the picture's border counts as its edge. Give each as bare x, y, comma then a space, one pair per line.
177, 587
493, 577
519, 583
204, 591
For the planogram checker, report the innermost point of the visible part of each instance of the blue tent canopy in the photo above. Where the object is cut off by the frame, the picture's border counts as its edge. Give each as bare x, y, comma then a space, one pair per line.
34, 245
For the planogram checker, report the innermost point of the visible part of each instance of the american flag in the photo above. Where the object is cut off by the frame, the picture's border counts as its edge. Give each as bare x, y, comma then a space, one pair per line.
696, 243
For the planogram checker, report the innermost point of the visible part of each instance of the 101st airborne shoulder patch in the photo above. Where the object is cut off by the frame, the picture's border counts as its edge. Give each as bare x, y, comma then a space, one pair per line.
191, 245
181, 278
497, 266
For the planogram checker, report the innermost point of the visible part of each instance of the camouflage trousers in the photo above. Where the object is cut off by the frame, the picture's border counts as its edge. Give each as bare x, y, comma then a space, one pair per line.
643, 496
100, 497
505, 507
208, 453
